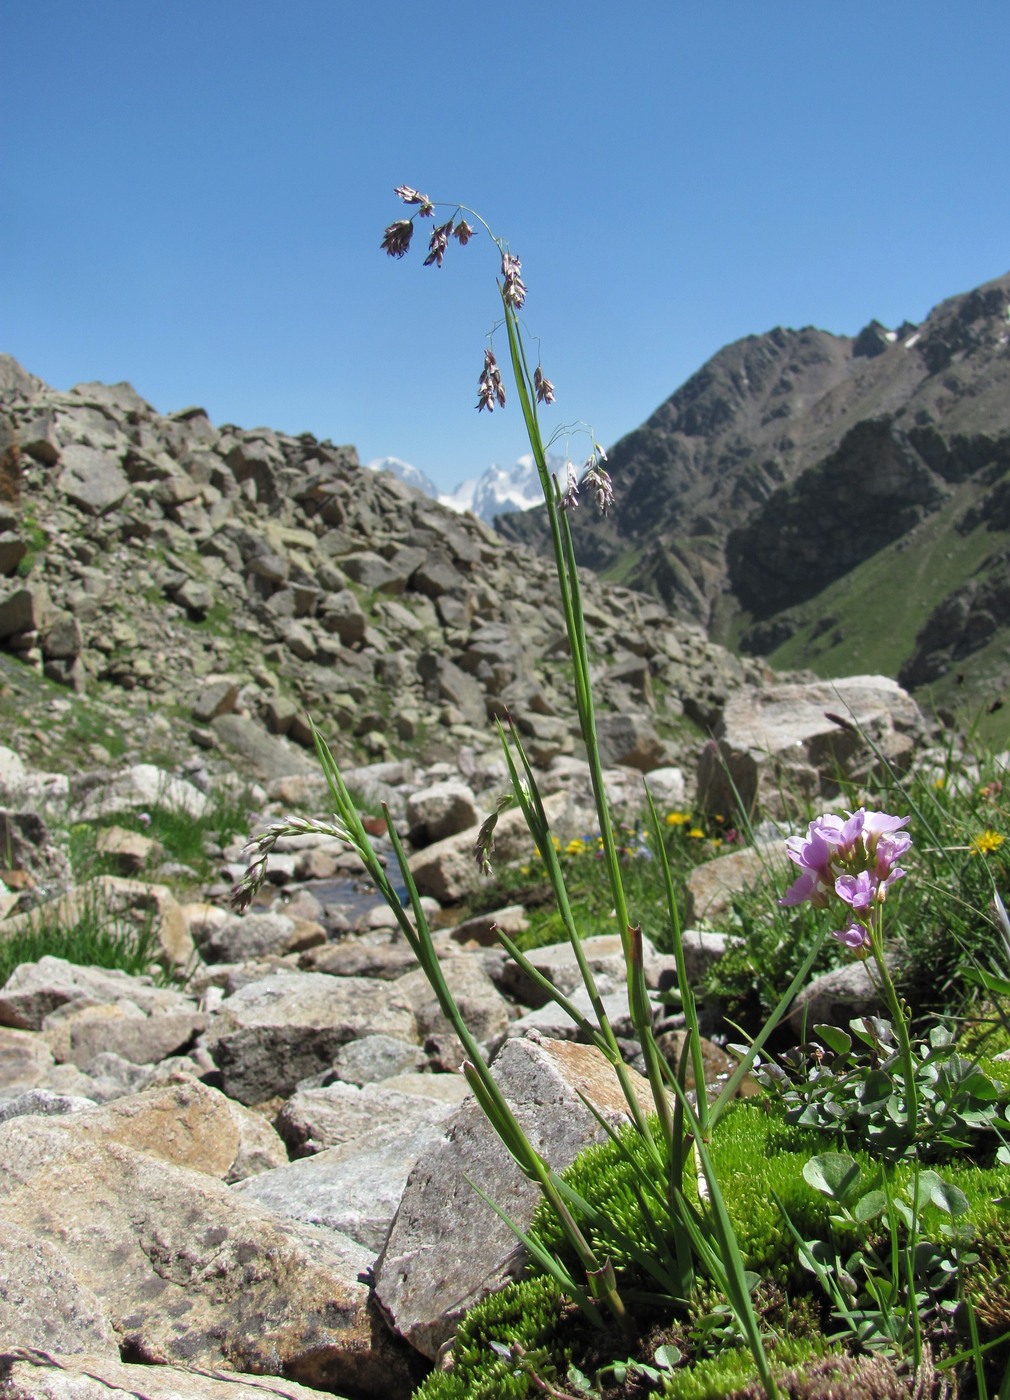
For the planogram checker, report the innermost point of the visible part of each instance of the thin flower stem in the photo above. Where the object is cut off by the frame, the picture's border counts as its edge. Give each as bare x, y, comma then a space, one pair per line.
899, 1020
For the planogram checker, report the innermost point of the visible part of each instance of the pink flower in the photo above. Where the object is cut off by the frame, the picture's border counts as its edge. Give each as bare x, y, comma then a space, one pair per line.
853, 858
853, 936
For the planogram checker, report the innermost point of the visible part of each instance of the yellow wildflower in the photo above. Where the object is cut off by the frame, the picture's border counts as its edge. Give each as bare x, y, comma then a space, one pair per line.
985, 843
678, 818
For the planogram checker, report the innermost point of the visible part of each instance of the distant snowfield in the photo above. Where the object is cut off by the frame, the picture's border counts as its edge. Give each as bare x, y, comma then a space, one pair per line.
497, 492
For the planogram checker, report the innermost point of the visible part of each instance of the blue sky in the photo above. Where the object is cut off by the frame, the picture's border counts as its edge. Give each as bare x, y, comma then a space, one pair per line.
192, 196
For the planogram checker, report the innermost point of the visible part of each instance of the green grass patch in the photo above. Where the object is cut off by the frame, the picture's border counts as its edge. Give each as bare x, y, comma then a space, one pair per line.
96, 936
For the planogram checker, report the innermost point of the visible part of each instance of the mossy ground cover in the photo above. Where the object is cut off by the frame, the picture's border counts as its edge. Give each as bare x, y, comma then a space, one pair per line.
517, 1342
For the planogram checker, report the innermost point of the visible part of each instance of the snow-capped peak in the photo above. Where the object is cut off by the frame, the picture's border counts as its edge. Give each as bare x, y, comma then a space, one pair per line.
497, 492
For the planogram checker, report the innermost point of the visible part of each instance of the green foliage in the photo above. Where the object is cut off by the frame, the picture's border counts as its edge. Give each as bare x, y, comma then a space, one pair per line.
718, 1377
938, 918
181, 838
528, 1314
689, 841
36, 539
854, 1088
97, 936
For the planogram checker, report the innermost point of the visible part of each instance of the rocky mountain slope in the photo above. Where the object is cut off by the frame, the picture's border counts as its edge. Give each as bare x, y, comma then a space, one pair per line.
794, 460
165, 584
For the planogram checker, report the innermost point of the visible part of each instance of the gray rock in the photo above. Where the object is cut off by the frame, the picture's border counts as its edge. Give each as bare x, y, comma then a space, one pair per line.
799, 738
443, 809
835, 998
630, 739
441, 1217
238, 939
43, 1300
23, 608
35, 990
186, 1271
354, 1188
283, 1028
138, 788
55, 1375
374, 1058
483, 1008
44, 1102
265, 756
13, 548
91, 479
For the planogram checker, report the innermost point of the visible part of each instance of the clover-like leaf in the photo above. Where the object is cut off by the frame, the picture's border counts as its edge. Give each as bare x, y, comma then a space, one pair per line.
868, 1207
942, 1194
668, 1356
834, 1038
834, 1174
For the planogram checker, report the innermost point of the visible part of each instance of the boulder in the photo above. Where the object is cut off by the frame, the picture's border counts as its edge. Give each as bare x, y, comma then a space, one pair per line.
140, 788
56, 1375
92, 479
43, 1301
712, 886
442, 1218
800, 738
189, 1273
285, 1027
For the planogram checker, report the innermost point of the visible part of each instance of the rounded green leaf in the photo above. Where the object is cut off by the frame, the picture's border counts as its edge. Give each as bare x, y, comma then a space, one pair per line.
834, 1174
834, 1039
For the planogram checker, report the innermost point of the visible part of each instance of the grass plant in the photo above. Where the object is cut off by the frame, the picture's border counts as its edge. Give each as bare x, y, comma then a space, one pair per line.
93, 936
881, 1241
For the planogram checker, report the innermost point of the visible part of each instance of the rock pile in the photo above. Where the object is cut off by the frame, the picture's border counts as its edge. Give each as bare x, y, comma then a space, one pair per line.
229, 582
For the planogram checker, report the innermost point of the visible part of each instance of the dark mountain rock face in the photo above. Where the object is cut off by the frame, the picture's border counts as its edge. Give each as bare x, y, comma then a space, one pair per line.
791, 458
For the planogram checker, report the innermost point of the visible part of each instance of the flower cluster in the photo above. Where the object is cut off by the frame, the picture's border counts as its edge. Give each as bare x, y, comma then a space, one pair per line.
491, 391
490, 385
513, 287
396, 238
854, 859
598, 480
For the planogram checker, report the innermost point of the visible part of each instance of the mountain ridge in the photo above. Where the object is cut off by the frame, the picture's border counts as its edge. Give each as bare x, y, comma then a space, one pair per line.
791, 458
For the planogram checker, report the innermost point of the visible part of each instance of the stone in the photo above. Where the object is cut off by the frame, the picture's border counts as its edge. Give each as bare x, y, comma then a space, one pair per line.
834, 999
44, 1102
800, 738
56, 1375
264, 756
443, 809
441, 1217
25, 1062
217, 698
43, 1302
374, 1058
13, 548
92, 479
342, 614
237, 939
630, 739
63, 639
287, 1026
323, 1116
138, 788
188, 1272
354, 1188
712, 885
77, 1034
484, 1010
127, 851
35, 990
23, 608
